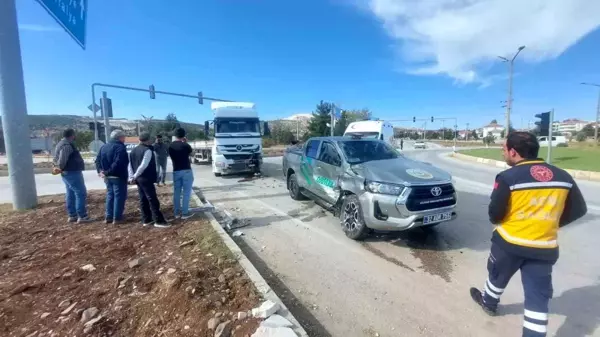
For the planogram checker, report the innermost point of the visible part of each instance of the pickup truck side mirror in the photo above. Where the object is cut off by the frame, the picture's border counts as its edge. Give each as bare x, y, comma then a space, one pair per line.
266, 131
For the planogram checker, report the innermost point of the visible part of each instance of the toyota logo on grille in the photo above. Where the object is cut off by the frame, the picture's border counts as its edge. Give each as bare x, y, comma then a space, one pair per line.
436, 191
239, 148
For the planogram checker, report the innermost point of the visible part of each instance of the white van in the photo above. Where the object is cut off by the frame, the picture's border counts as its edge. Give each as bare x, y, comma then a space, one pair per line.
372, 129
556, 140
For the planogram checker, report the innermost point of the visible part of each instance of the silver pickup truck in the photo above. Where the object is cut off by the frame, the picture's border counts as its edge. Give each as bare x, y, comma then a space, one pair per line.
369, 185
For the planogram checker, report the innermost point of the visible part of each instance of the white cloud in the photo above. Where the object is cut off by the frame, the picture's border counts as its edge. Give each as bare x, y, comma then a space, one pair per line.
461, 38
37, 28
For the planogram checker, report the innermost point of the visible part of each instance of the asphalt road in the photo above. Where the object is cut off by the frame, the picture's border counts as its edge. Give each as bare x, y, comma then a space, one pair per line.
404, 284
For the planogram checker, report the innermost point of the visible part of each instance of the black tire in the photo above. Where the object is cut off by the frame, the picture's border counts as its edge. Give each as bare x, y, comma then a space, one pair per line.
217, 174
352, 219
294, 188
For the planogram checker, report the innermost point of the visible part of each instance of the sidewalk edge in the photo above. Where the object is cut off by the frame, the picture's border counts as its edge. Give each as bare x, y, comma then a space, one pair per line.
257, 279
577, 174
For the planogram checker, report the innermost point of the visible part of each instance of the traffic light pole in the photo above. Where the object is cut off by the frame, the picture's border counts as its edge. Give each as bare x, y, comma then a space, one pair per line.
549, 158
104, 109
13, 106
199, 97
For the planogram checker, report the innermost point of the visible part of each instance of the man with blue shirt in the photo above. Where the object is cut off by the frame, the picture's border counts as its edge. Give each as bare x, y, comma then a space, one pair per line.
112, 165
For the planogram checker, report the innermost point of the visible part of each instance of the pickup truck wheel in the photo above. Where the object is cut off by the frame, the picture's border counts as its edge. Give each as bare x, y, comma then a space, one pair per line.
352, 220
294, 188
217, 174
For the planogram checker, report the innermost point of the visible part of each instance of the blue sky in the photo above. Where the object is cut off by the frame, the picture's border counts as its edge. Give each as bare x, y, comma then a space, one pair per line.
396, 60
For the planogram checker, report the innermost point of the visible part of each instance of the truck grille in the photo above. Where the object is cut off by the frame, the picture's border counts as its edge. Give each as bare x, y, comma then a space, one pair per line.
238, 157
421, 198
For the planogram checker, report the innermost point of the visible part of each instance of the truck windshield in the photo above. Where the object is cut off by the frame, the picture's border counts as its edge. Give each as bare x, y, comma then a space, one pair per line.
358, 151
373, 135
230, 125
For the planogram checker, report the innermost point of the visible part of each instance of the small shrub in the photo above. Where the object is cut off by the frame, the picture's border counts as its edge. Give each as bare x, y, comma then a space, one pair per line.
581, 137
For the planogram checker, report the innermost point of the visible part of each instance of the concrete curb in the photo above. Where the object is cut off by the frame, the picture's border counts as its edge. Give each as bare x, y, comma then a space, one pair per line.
577, 174
257, 279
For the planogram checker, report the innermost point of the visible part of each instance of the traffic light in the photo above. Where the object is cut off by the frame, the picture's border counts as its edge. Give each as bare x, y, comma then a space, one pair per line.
152, 92
106, 107
414, 119
543, 124
431, 119
200, 98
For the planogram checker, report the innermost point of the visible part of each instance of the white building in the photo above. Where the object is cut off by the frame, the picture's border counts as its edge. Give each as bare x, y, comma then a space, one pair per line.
494, 129
569, 126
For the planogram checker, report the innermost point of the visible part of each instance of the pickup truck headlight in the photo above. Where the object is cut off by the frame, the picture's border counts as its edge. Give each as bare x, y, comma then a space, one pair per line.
381, 188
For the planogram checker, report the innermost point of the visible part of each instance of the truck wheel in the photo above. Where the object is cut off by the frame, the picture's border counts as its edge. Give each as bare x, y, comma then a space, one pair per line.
294, 188
352, 220
217, 174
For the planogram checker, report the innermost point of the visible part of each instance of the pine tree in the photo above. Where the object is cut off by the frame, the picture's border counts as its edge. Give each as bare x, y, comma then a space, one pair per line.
321, 117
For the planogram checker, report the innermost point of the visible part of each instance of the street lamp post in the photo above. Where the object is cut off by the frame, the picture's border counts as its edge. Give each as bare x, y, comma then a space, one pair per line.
510, 86
597, 110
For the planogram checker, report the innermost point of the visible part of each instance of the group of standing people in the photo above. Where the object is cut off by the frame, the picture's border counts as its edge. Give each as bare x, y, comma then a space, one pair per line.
145, 166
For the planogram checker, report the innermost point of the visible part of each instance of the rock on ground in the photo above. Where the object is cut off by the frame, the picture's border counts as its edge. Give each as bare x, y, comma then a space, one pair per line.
264, 331
213, 322
88, 314
266, 309
277, 321
223, 330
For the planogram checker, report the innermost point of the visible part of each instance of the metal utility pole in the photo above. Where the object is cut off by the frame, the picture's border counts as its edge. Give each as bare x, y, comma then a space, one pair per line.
597, 110
14, 111
104, 107
550, 131
510, 87
332, 118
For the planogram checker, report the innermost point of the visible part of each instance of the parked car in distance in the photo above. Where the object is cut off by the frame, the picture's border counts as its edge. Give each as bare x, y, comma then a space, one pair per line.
556, 141
419, 144
369, 185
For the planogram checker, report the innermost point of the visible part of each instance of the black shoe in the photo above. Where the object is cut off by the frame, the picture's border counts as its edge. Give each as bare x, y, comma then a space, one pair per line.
477, 296
108, 221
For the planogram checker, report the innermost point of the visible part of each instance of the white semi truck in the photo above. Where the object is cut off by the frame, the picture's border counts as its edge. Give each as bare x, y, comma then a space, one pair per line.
236, 146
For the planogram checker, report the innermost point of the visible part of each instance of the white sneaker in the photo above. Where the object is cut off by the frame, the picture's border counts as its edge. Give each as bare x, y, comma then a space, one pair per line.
187, 216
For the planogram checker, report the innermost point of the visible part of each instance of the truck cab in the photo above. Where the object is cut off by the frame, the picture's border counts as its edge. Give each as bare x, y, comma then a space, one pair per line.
237, 145
372, 129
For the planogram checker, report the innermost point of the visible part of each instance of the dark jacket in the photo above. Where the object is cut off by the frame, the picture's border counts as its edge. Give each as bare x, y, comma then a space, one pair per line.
162, 152
67, 157
529, 203
136, 156
112, 159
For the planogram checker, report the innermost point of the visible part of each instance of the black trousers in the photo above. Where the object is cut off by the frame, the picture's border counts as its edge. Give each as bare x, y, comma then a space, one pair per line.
536, 276
149, 204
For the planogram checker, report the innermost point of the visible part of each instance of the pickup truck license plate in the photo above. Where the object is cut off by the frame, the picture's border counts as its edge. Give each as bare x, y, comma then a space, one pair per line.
434, 218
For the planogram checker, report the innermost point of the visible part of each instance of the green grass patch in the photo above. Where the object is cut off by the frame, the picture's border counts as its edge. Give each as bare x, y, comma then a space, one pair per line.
575, 158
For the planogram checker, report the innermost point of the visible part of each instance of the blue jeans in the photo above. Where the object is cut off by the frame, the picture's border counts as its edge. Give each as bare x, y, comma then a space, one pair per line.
162, 171
116, 195
76, 196
182, 182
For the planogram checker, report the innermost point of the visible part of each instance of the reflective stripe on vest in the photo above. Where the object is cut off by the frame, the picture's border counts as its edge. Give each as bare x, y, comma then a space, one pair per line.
525, 242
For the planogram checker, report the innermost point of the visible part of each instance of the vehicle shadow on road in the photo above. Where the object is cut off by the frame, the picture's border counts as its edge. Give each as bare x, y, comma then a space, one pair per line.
580, 306
308, 321
470, 230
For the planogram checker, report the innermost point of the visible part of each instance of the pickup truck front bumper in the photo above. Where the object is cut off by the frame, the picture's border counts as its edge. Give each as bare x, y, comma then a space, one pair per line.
389, 213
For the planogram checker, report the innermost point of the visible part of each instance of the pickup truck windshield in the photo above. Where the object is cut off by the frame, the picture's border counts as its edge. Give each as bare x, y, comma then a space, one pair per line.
236, 125
357, 151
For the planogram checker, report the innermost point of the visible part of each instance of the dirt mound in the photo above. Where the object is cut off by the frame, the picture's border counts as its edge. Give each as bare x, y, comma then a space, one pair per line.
62, 280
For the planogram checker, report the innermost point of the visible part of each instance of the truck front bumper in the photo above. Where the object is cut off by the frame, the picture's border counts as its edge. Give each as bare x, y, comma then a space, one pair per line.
229, 166
389, 213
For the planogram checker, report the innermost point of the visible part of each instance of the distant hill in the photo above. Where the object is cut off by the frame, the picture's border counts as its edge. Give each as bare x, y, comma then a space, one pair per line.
56, 123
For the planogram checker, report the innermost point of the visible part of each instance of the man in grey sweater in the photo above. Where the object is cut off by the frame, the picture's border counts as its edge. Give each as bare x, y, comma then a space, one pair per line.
161, 151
